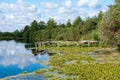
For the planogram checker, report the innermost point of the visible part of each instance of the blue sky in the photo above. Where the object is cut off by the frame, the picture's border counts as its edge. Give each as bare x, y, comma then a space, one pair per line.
15, 14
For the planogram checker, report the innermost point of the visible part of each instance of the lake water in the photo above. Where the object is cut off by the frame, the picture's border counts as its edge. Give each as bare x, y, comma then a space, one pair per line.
15, 59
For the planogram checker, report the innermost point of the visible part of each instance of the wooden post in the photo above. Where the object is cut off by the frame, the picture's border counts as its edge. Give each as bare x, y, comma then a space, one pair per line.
77, 43
36, 45
67, 44
58, 45
88, 44
40, 44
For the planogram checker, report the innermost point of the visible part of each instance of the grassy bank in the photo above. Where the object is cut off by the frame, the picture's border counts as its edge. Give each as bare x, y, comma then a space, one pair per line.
74, 63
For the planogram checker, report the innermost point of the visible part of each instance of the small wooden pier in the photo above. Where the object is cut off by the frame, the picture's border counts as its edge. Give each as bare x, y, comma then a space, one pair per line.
67, 43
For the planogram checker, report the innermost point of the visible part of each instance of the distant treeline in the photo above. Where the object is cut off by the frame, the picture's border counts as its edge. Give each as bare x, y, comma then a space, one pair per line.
76, 30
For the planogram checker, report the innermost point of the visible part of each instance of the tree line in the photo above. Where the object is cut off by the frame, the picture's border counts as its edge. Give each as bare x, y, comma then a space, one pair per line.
105, 26
51, 30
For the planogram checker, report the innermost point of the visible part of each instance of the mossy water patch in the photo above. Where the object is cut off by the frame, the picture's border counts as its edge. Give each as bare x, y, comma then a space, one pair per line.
79, 66
40, 71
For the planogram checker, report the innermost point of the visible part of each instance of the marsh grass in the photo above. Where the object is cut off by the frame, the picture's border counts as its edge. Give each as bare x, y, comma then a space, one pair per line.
84, 63
69, 49
25, 73
40, 71
106, 66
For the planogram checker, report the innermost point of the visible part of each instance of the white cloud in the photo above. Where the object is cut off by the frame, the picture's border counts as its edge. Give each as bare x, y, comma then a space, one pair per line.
10, 16
19, 1
5, 6
62, 10
48, 5
72, 13
17, 15
89, 3
67, 3
65, 7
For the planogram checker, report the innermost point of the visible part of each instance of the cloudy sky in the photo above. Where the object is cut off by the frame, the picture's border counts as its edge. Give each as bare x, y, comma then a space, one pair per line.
15, 14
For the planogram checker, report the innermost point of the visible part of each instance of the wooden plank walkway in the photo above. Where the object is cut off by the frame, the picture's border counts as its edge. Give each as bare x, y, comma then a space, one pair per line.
67, 43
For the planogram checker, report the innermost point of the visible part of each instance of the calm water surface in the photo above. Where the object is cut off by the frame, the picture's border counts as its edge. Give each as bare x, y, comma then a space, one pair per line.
15, 59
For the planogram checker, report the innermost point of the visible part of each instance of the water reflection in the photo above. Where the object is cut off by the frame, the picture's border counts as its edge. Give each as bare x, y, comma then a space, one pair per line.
15, 55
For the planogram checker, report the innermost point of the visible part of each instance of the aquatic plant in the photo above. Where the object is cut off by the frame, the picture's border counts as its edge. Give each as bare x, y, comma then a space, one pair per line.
40, 71
25, 72
84, 63
84, 67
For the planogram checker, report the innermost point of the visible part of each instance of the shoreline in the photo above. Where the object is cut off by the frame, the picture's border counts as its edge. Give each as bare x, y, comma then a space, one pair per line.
92, 57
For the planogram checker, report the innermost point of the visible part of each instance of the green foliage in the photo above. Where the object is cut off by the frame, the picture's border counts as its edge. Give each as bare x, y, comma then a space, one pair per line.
17, 34
77, 29
100, 16
78, 21
94, 35
41, 31
41, 25
25, 72
51, 23
110, 25
68, 24
76, 66
69, 49
117, 2
40, 71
